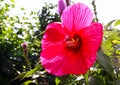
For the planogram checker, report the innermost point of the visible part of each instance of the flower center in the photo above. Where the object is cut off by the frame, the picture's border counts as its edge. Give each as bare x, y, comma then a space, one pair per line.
73, 43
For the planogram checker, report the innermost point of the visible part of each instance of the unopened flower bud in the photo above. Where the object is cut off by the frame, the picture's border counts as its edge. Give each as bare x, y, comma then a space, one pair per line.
24, 45
61, 6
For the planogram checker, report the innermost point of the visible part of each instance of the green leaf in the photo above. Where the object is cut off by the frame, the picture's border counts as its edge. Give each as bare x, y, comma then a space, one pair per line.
117, 23
86, 77
105, 61
12, 0
27, 82
95, 81
117, 82
20, 76
111, 38
13, 5
117, 52
31, 72
57, 81
22, 8
107, 47
109, 24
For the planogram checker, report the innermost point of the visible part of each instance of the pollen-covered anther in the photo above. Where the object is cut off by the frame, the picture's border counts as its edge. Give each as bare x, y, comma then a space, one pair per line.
73, 43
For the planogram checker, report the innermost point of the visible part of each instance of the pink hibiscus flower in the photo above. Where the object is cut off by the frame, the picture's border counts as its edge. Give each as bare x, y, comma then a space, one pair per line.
70, 46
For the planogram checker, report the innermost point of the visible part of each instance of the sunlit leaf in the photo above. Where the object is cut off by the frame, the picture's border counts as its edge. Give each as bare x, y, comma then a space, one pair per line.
57, 81
109, 24
117, 52
111, 39
12, 0
79, 78
13, 5
117, 23
86, 76
27, 82
107, 47
22, 8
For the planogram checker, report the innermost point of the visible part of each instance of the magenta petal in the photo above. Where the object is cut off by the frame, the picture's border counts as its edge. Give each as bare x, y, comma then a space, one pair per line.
76, 16
52, 44
58, 61
52, 59
75, 64
79, 62
91, 40
92, 37
54, 33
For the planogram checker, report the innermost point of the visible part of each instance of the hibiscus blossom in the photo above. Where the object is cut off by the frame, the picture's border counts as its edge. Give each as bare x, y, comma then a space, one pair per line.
70, 46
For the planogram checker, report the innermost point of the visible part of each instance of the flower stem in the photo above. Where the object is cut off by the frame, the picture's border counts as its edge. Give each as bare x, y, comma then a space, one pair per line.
94, 9
27, 61
25, 53
68, 2
86, 76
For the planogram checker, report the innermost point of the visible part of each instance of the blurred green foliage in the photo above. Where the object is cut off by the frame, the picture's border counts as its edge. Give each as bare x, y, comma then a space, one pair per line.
15, 30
